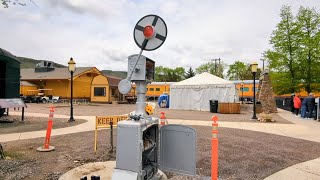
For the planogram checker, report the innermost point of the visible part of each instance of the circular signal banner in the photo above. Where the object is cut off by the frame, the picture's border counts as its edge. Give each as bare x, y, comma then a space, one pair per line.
150, 32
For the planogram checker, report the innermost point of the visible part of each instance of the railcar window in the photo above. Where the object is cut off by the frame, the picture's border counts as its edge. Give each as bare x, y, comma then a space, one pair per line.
151, 89
157, 89
245, 89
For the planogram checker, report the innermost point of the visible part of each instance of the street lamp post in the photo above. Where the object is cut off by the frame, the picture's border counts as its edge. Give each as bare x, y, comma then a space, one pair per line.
242, 91
254, 69
72, 69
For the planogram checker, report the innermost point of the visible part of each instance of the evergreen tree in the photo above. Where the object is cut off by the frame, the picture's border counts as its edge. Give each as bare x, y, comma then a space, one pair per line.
190, 73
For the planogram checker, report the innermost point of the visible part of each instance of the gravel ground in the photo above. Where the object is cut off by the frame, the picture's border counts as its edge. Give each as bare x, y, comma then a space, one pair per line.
13, 124
118, 109
242, 154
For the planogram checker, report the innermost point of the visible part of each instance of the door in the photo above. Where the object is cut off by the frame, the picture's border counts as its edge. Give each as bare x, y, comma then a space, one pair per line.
178, 149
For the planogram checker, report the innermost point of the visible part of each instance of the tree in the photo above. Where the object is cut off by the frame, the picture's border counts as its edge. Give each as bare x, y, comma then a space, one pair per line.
6, 3
283, 56
165, 74
308, 22
190, 73
237, 71
212, 68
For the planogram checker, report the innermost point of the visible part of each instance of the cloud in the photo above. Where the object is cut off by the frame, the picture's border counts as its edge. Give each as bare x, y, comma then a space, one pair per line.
100, 33
97, 8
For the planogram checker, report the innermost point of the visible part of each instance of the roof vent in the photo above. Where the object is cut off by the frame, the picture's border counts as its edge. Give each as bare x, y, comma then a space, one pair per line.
44, 66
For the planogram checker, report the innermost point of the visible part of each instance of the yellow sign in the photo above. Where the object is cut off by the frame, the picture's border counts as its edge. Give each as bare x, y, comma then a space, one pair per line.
104, 122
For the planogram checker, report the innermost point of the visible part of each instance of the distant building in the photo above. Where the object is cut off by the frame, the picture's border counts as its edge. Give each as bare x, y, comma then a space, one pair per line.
88, 82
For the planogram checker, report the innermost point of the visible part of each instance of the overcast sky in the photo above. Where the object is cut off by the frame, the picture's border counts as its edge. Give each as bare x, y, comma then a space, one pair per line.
100, 32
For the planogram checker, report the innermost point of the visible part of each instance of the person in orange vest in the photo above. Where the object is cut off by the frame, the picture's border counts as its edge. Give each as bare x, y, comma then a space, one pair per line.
297, 104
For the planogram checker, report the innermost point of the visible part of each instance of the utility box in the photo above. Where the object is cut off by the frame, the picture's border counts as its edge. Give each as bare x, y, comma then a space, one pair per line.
138, 145
145, 69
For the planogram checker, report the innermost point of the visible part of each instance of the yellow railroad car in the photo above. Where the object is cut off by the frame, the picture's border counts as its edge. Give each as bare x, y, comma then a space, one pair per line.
154, 90
247, 92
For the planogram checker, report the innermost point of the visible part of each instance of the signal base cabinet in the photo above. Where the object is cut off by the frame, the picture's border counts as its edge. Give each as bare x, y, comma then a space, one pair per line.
138, 146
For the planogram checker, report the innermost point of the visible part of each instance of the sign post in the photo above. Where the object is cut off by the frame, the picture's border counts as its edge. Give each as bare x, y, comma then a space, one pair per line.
106, 122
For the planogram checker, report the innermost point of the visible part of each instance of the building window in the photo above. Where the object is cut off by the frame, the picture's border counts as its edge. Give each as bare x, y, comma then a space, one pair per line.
245, 89
157, 89
99, 91
151, 89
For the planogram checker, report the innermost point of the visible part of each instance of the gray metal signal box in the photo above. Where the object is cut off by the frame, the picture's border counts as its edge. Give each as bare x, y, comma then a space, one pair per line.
142, 150
144, 70
142, 146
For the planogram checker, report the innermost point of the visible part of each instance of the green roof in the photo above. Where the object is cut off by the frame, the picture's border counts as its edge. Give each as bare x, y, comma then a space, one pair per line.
7, 54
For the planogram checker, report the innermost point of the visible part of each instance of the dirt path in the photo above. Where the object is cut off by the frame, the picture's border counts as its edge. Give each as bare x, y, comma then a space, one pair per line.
242, 154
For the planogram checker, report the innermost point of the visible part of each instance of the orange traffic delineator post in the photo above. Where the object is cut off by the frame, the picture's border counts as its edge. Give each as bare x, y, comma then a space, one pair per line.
163, 119
214, 149
47, 147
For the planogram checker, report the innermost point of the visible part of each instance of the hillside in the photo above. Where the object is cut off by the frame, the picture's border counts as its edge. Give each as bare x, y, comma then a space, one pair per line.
31, 63
120, 74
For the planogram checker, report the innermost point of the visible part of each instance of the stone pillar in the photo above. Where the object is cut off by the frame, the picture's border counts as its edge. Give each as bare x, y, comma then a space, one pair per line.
266, 95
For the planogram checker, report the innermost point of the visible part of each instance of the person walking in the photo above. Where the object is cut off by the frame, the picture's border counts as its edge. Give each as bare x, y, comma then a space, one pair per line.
291, 103
304, 108
297, 104
311, 103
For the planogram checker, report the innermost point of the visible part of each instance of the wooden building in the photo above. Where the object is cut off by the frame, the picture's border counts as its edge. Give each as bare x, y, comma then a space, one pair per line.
88, 83
105, 89
9, 75
27, 88
59, 80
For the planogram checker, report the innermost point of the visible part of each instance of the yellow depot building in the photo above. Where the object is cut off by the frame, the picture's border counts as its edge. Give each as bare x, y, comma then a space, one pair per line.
88, 83
105, 89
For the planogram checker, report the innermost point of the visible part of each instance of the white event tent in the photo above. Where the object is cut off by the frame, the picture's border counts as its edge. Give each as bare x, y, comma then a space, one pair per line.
194, 93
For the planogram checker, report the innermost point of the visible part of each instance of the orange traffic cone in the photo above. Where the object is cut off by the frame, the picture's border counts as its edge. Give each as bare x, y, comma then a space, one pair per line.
47, 147
163, 119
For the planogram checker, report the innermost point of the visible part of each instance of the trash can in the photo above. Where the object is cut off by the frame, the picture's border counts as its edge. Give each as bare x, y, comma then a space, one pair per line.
258, 107
213, 106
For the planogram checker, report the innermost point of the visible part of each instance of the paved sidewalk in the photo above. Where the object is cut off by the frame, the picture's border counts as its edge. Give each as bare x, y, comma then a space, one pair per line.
309, 170
87, 126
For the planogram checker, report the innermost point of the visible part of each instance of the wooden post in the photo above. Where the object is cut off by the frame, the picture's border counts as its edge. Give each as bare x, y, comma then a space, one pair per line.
2, 156
22, 117
96, 136
111, 135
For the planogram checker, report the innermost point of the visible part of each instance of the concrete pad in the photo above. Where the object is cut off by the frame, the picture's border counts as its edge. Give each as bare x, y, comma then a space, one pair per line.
102, 169
42, 149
